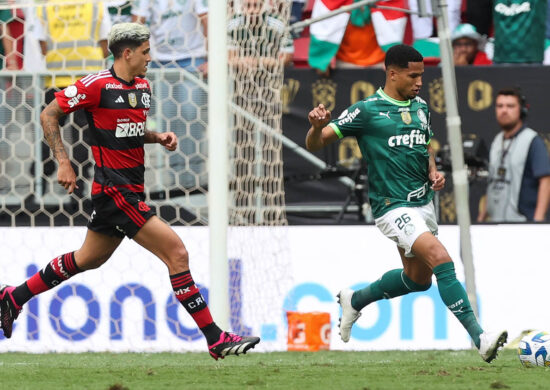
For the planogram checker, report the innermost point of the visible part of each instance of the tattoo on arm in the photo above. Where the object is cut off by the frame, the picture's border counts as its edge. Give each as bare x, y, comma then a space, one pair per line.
150, 137
50, 125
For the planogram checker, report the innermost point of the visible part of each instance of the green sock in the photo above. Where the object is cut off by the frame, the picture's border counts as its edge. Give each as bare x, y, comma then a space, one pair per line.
453, 295
392, 284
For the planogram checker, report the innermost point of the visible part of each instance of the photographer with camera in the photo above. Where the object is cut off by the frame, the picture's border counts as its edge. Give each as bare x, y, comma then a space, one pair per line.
519, 167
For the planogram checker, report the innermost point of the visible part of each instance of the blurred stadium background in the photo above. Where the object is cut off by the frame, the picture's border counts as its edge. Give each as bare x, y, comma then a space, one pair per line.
298, 228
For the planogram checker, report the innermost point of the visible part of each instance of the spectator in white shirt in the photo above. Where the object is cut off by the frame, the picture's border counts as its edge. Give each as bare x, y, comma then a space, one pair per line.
178, 40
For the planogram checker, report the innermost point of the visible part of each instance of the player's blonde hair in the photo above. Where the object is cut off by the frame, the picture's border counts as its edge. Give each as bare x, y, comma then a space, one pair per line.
127, 35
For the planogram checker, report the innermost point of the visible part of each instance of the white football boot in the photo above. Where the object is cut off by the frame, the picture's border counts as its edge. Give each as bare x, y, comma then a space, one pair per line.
349, 314
490, 343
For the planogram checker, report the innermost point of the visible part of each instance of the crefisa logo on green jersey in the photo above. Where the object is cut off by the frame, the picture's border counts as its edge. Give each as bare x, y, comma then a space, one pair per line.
347, 117
415, 137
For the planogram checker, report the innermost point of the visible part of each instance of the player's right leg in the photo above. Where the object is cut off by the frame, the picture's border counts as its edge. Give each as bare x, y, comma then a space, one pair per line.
393, 283
349, 313
96, 250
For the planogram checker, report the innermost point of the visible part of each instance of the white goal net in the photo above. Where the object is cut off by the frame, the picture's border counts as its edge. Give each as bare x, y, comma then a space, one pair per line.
176, 183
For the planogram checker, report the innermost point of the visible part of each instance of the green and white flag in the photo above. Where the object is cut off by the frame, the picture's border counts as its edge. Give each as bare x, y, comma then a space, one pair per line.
327, 34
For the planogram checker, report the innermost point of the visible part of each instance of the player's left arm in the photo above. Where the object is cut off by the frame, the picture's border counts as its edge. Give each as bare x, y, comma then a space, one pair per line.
437, 179
538, 161
168, 139
543, 199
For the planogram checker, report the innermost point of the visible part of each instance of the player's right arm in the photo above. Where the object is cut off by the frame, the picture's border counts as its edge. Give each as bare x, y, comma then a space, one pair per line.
49, 118
320, 134
74, 97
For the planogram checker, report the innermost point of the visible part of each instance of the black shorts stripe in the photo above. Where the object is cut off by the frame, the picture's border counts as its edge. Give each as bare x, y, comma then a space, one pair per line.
126, 207
119, 212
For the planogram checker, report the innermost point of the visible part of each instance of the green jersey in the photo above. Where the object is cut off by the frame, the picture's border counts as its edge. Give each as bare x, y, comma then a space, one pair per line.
393, 136
520, 27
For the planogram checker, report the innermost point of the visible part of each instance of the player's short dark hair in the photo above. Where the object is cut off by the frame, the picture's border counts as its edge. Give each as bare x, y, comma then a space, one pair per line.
127, 35
401, 55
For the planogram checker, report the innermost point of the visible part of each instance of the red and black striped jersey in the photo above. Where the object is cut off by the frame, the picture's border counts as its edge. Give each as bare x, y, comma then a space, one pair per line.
117, 112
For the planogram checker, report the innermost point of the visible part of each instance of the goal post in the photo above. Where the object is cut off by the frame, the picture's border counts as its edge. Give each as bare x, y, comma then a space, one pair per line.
459, 168
218, 170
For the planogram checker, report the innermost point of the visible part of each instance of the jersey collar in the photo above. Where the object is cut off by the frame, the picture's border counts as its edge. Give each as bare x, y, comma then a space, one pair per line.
392, 100
122, 80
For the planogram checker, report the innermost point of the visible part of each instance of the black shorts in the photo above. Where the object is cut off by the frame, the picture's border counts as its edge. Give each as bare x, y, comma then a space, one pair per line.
119, 212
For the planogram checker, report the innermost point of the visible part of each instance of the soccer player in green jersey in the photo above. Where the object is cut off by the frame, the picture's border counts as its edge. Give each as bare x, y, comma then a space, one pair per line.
392, 128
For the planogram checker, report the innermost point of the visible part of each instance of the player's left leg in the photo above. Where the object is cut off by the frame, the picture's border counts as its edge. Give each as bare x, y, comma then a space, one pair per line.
96, 250
161, 240
430, 250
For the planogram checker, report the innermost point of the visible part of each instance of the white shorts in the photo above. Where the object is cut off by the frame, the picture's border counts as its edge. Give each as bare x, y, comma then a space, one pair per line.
404, 224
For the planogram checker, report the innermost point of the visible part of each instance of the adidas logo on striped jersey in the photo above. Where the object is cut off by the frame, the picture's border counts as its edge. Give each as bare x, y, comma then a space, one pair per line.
119, 99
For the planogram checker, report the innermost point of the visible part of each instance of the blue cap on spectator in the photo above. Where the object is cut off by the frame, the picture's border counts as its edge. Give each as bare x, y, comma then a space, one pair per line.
466, 30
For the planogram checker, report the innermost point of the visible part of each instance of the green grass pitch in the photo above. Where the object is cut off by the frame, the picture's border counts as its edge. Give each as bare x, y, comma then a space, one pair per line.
390, 370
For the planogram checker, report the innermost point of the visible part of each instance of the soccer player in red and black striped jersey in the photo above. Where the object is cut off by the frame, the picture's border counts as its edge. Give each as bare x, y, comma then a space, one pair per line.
116, 102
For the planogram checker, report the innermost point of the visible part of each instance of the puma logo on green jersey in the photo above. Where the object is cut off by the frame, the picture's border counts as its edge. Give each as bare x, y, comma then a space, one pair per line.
414, 138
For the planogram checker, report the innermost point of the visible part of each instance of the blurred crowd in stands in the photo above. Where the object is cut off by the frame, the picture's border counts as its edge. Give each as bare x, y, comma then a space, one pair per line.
483, 31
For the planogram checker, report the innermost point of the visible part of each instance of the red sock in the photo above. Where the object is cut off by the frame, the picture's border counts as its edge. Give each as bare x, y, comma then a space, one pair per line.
55, 272
190, 297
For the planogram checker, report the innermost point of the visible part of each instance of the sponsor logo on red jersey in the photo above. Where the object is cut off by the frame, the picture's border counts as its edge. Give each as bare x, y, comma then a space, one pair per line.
131, 129
77, 99
113, 86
